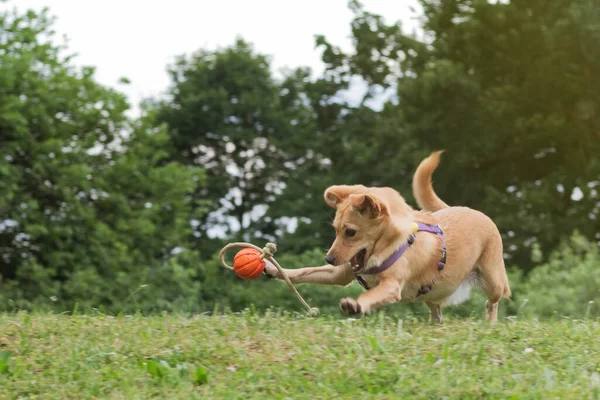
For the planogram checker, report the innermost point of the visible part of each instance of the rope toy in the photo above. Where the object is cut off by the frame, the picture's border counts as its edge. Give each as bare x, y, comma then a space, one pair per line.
251, 262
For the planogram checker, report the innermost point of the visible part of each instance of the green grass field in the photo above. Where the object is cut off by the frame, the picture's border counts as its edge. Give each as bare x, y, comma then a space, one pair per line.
245, 356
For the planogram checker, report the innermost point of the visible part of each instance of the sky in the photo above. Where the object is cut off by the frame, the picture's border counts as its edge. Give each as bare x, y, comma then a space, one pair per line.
139, 39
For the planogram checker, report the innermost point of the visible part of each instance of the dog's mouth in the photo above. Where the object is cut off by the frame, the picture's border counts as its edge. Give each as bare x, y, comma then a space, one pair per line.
358, 261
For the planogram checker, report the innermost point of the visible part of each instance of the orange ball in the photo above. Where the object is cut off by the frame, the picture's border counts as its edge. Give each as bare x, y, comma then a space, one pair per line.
247, 263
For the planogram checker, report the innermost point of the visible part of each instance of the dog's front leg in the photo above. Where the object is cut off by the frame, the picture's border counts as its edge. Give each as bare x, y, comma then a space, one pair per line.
386, 292
324, 275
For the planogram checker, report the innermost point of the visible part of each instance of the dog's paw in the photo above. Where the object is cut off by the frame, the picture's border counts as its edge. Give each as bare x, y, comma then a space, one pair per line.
271, 271
350, 306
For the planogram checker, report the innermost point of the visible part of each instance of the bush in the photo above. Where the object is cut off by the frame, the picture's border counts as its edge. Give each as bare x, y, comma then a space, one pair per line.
568, 284
174, 286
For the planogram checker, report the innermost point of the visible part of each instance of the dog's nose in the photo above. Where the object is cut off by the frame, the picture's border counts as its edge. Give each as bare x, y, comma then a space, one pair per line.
330, 259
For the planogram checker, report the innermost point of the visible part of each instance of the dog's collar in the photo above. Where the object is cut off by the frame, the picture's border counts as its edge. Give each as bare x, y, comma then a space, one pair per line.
435, 229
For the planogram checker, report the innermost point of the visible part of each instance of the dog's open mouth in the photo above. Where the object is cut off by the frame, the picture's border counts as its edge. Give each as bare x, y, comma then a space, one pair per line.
358, 261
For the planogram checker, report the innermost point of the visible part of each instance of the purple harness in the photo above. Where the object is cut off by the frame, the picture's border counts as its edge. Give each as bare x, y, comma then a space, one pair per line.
435, 229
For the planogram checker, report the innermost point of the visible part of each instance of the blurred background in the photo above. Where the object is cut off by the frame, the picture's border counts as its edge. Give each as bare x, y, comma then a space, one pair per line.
137, 139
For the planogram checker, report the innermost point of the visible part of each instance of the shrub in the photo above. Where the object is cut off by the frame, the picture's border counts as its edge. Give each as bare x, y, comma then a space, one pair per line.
568, 284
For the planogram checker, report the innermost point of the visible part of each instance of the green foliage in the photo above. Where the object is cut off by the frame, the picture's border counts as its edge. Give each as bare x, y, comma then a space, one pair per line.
4, 358
201, 376
568, 284
98, 211
91, 207
246, 356
228, 114
508, 89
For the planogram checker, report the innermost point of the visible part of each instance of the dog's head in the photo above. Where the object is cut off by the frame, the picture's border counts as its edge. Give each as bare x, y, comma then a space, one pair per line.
366, 221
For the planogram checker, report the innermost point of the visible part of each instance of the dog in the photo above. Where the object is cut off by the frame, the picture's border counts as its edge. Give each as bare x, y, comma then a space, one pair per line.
398, 254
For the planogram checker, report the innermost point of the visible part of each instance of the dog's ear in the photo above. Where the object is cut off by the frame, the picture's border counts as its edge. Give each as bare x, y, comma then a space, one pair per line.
369, 204
334, 195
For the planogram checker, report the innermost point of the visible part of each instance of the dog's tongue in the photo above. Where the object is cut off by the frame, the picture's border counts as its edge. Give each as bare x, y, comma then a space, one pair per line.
354, 261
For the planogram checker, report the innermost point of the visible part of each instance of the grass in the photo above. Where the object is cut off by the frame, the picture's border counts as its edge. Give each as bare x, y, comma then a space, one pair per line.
245, 356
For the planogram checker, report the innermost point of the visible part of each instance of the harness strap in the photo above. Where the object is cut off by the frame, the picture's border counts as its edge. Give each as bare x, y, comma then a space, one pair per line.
437, 230
391, 260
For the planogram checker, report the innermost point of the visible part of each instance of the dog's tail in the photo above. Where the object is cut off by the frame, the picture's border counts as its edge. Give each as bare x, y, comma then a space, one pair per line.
421, 185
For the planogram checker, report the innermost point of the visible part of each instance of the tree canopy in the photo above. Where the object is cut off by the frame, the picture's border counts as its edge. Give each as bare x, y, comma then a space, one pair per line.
91, 204
95, 205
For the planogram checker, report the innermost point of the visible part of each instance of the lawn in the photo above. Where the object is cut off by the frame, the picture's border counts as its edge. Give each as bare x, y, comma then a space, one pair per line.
245, 356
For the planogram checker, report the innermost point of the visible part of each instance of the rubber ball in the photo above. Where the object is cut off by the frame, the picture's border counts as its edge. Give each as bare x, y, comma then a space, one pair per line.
247, 263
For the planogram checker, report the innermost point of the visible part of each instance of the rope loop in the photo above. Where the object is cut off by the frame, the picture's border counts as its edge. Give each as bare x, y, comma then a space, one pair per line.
267, 254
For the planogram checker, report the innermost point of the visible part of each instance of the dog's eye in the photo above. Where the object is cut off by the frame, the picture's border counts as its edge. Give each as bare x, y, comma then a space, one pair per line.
350, 232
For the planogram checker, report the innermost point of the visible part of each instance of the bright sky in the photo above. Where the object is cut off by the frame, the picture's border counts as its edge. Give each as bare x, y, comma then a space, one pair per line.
138, 39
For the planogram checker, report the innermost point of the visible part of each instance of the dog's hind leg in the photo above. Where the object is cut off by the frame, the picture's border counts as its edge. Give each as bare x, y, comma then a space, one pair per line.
435, 313
493, 276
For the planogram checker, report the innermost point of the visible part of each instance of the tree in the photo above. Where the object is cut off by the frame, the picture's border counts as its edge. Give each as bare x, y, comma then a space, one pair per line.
90, 207
508, 89
351, 143
228, 114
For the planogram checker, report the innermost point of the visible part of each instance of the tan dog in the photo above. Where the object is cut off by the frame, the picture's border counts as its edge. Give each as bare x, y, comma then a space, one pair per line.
380, 243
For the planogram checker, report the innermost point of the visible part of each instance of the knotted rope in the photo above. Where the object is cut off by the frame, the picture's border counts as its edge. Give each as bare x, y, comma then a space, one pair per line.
267, 254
